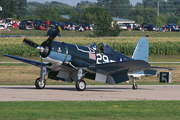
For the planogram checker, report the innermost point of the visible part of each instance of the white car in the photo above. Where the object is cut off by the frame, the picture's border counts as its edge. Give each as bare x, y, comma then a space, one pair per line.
2, 23
1, 27
123, 27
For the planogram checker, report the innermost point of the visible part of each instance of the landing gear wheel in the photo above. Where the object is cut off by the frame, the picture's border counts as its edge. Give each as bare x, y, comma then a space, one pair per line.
135, 87
39, 83
80, 85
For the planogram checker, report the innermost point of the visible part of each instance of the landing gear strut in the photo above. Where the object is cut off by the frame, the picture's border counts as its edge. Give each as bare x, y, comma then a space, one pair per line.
40, 82
134, 87
80, 84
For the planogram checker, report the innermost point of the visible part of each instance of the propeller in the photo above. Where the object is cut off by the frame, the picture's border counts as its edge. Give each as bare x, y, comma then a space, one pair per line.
33, 44
44, 48
44, 44
29, 42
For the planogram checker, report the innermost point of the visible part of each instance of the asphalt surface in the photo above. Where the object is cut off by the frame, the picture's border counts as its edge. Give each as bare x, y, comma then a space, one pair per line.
92, 93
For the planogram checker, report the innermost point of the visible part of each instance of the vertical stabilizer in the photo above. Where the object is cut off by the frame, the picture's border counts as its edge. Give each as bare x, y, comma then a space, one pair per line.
141, 51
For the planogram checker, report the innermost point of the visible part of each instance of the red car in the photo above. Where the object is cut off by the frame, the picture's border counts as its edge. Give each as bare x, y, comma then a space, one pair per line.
42, 26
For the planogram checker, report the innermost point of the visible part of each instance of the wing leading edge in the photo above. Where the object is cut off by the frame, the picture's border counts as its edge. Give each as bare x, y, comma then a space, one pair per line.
131, 66
27, 61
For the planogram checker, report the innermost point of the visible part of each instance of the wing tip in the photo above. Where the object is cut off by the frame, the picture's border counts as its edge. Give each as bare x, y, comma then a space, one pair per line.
59, 28
23, 39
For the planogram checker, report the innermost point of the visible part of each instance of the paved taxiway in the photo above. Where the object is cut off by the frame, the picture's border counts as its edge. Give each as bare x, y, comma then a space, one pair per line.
92, 92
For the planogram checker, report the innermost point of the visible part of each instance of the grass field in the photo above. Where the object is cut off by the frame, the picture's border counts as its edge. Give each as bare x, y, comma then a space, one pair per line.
65, 33
88, 40
90, 110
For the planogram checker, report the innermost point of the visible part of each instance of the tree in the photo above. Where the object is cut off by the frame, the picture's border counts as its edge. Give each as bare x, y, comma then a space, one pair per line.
139, 19
60, 8
86, 15
45, 13
22, 7
117, 8
8, 8
104, 27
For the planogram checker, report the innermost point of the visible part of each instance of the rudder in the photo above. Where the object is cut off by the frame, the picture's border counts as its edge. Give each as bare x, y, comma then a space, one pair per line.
141, 51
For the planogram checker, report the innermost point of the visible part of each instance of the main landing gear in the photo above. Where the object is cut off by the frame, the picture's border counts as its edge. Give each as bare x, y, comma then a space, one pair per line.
40, 82
80, 84
134, 87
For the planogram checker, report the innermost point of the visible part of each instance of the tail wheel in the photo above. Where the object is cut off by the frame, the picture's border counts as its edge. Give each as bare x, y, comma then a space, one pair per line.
39, 83
80, 85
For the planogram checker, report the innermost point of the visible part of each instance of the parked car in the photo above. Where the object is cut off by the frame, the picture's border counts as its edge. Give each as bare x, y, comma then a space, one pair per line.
53, 22
172, 26
36, 22
62, 25
26, 24
2, 23
42, 25
123, 27
150, 27
8, 20
71, 24
1, 27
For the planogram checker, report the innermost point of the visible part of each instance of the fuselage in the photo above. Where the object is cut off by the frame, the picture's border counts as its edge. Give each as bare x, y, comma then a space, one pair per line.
82, 56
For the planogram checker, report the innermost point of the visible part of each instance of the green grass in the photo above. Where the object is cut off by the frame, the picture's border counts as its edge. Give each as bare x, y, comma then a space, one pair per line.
90, 110
65, 33
39, 33
149, 33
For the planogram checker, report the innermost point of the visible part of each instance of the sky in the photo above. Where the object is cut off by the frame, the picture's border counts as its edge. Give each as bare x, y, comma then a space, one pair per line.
74, 2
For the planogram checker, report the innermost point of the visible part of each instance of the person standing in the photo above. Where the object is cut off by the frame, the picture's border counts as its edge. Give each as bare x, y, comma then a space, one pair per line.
5, 26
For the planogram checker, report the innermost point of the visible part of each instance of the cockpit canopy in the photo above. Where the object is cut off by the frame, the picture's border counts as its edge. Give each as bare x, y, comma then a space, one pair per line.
102, 48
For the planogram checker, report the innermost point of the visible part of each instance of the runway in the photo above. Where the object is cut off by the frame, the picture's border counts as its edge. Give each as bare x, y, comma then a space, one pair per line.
92, 93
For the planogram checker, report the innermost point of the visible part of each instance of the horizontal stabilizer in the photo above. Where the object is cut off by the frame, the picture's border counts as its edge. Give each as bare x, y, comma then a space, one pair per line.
161, 68
27, 61
143, 73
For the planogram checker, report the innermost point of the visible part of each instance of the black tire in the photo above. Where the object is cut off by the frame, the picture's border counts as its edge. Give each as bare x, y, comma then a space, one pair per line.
39, 84
135, 87
80, 85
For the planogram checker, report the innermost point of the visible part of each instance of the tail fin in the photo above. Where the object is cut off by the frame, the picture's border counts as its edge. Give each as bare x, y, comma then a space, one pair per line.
141, 51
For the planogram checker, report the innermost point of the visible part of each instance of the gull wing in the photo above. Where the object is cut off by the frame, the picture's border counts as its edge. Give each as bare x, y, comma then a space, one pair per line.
27, 61
131, 66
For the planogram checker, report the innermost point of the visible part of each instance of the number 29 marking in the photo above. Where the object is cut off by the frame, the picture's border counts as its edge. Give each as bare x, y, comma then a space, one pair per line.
102, 59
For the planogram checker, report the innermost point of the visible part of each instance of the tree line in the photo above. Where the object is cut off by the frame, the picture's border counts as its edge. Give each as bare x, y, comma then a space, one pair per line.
158, 12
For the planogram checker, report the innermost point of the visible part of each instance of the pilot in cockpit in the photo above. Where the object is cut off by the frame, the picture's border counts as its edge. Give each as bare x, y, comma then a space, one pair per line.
101, 49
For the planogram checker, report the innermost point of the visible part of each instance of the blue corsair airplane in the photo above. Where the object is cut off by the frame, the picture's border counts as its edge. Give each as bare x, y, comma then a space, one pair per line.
70, 62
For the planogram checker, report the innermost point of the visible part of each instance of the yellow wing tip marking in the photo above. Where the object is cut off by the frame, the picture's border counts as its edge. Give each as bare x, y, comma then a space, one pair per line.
59, 28
23, 39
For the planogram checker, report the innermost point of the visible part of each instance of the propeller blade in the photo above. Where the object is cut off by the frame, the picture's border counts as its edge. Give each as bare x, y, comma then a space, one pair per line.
29, 42
51, 38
